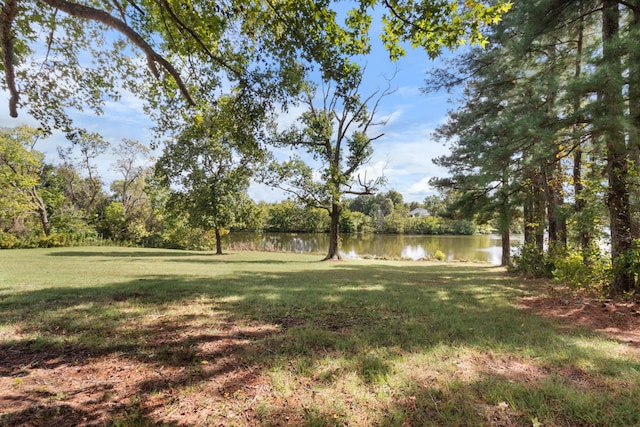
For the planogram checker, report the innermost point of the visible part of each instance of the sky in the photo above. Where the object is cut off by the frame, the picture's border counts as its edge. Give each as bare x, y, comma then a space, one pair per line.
403, 154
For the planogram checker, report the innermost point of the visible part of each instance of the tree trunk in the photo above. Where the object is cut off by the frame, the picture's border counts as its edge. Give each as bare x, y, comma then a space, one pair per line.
504, 221
617, 152
539, 207
578, 187
634, 118
584, 229
218, 242
505, 261
557, 225
41, 208
527, 212
334, 238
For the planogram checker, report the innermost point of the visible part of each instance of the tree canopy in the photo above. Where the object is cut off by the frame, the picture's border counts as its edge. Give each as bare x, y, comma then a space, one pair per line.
211, 162
61, 55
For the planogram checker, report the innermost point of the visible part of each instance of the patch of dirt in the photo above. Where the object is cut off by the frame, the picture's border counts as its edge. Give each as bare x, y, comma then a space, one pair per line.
187, 385
619, 320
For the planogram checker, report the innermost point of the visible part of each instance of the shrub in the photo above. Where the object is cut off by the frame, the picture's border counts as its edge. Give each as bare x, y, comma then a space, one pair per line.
530, 262
8, 241
578, 274
54, 240
439, 255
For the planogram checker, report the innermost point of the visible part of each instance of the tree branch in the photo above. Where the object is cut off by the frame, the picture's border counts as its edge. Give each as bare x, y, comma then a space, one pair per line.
93, 14
165, 4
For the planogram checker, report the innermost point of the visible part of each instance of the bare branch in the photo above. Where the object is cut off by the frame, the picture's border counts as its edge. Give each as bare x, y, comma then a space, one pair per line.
119, 9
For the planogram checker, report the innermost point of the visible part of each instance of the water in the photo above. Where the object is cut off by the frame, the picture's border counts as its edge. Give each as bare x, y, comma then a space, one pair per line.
480, 248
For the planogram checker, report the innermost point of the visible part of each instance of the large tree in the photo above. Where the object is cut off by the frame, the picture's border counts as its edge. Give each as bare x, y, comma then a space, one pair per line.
130, 189
336, 131
211, 163
86, 192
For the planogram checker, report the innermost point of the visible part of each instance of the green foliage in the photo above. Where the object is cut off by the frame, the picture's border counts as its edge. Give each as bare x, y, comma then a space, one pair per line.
423, 225
458, 227
288, 216
264, 47
336, 133
355, 222
587, 269
435, 25
439, 255
394, 223
20, 165
591, 275
114, 223
531, 262
629, 261
54, 240
210, 165
8, 240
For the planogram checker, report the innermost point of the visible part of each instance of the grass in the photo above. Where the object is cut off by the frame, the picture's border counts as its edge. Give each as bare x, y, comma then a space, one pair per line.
143, 337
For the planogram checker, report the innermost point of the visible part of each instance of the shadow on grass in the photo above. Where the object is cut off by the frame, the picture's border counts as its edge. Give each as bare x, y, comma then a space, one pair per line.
125, 254
179, 256
227, 332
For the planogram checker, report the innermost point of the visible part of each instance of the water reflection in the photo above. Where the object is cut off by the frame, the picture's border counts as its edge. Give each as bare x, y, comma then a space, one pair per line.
484, 248
413, 252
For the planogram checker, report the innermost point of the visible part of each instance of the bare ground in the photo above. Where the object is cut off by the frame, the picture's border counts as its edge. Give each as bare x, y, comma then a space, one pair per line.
618, 319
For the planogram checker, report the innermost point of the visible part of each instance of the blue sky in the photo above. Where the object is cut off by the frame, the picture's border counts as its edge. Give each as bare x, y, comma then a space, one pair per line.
404, 154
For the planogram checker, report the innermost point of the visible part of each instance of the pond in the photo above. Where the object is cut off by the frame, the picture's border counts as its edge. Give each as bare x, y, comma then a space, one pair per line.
479, 248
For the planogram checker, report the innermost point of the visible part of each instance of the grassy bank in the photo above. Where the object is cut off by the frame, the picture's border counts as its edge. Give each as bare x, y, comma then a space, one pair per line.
123, 337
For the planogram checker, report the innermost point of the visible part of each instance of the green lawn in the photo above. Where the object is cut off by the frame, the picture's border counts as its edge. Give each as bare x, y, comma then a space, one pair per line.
130, 337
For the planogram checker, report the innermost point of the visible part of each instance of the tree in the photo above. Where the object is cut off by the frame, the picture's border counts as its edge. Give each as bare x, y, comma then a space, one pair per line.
86, 192
336, 134
210, 164
571, 132
618, 154
20, 169
130, 189
482, 135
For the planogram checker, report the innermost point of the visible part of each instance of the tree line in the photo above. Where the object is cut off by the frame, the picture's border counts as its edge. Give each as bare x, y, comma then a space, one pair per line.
548, 132
45, 205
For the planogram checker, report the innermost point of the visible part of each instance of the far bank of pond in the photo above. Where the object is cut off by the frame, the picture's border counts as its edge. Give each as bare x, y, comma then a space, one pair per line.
478, 248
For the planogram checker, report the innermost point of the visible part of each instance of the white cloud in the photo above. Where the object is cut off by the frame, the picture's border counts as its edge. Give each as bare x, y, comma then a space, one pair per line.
263, 193
418, 189
408, 91
390, 119
288, 118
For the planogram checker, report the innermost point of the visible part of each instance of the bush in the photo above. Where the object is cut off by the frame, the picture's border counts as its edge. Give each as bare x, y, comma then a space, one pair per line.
573, 271
439, 255
424, 225
531, 262
54, 240
8, 241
